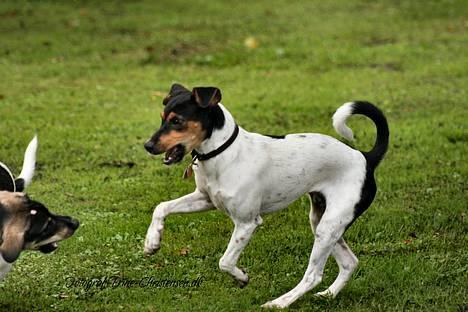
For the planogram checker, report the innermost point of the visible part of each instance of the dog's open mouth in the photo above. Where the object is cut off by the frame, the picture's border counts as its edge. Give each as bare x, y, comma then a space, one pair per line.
48, 248
174, 154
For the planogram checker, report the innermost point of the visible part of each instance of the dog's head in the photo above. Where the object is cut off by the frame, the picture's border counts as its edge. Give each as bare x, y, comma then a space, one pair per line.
189, 117
26, 224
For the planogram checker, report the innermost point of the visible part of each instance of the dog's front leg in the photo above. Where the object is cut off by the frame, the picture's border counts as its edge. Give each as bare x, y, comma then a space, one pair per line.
194, 202
240, 238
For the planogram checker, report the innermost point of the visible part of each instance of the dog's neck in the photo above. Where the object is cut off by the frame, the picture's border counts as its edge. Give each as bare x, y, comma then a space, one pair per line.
218, 136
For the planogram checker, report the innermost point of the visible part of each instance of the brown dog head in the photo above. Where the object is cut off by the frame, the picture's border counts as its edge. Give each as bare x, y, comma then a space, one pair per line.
26, 224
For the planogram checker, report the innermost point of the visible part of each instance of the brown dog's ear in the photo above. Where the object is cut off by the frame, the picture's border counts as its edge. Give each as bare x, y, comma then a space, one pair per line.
12, 245
206, 96
175, 89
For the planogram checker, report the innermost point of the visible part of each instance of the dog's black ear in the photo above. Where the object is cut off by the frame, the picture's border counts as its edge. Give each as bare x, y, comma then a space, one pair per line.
206, 96
12, 245
175, 89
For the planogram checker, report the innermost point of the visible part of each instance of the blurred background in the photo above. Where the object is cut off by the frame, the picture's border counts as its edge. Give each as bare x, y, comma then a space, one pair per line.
89, 78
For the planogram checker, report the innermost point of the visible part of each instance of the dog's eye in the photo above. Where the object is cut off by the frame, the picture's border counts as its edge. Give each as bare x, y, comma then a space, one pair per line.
176, 121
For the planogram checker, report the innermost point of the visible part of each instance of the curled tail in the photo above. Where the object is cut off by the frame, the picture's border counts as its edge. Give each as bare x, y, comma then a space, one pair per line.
29, 163
376, 154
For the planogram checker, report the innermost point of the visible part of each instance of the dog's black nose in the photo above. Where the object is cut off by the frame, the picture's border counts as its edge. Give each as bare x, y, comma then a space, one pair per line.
74, 224
149, 146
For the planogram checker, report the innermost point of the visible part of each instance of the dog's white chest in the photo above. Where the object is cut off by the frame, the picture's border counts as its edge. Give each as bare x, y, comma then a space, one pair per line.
216, 190
217, 196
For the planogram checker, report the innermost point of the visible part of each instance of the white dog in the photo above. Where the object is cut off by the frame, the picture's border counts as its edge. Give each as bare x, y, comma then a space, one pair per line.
247, 175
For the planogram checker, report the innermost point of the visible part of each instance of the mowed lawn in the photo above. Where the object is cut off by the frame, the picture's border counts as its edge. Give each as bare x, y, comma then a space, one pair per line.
89, 76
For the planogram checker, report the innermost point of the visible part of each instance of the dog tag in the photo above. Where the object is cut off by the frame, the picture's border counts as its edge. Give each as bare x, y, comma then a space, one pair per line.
188, 171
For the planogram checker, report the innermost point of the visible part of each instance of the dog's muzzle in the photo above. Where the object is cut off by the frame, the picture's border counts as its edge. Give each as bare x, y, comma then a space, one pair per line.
150, 148
173, 155
71, 224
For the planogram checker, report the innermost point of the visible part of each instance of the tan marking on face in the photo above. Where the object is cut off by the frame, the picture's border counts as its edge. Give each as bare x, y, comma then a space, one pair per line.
163, 115
191, 136
14, 227
12, 241
12, 201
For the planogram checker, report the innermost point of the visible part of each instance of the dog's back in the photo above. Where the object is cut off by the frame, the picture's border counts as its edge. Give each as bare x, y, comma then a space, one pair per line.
302, 163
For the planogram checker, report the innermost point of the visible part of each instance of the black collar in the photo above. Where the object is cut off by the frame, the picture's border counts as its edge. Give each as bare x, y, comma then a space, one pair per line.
196, 155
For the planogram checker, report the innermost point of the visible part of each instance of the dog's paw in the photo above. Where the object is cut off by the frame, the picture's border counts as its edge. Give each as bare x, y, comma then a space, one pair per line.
243, 283
326, 294
153, 238
242, 280
152, 244
274, 304
148, 251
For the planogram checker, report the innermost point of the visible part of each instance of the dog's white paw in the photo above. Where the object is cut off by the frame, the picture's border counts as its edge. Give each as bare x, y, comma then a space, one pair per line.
243, 280
275, 304
326, 294
150, 249
152, 242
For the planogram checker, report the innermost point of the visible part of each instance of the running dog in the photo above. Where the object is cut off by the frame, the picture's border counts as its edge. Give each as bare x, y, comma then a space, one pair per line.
247, 175
26, 224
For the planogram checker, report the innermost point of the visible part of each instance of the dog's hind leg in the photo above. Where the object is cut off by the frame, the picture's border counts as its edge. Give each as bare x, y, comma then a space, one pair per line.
194, 202
346, 260
328, 231
347, 263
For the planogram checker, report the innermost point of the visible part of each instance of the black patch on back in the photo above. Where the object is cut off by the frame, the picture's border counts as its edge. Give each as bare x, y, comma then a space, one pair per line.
275, 136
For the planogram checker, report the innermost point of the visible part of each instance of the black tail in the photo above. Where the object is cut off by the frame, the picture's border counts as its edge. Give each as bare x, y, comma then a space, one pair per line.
376, 154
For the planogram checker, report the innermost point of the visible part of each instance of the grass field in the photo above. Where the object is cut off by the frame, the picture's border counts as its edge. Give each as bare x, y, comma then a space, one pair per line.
88, 77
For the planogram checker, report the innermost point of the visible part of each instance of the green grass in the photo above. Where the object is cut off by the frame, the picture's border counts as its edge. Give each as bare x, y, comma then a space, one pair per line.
86, 76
